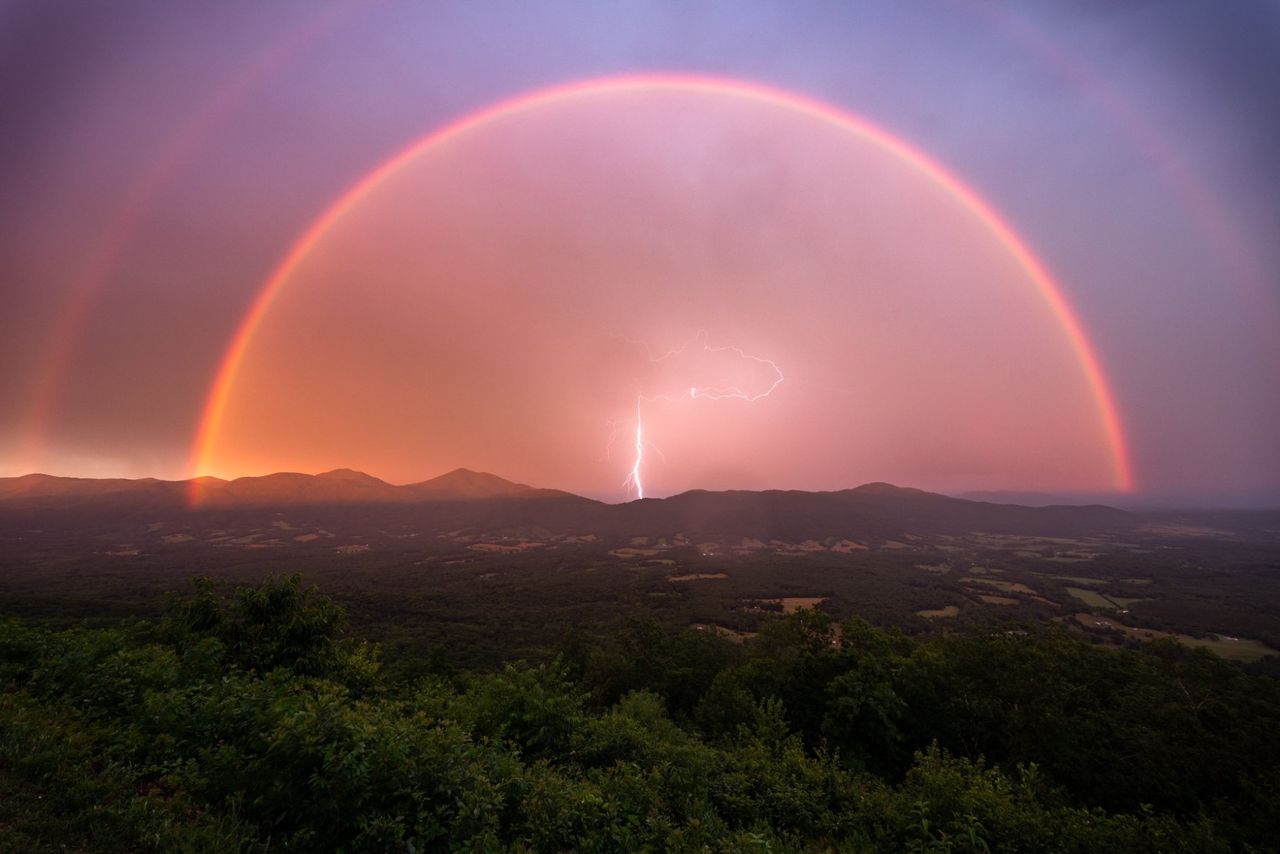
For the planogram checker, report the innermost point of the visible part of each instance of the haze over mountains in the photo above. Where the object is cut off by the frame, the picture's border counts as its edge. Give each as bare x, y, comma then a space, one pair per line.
340, 486
481, 501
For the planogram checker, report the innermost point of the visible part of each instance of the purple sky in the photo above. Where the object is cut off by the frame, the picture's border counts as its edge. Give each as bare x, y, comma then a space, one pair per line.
159, 158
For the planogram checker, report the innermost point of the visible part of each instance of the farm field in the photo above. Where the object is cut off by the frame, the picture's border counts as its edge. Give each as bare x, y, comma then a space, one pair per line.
1226, 646
490, 589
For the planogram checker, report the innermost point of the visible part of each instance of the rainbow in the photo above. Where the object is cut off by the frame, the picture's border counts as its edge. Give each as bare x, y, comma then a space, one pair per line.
178, 151
1198, 199
201, 460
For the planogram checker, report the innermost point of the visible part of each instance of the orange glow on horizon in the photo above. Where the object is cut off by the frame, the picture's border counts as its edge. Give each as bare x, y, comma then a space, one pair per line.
178, 150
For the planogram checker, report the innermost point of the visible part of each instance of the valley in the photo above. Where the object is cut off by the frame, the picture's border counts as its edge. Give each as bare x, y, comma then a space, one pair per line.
492, 571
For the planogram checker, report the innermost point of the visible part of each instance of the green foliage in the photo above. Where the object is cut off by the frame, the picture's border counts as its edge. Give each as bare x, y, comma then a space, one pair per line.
535, 710
280, 624
248, 722
643, 655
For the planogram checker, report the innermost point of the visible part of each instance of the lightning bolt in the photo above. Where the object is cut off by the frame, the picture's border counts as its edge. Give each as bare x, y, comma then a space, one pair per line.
633, 480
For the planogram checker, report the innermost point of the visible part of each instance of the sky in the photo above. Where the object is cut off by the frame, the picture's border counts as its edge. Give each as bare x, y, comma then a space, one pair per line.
642, 247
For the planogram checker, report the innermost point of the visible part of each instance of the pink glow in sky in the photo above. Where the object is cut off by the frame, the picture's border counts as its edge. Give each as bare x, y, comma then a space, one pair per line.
492, 303
497, 303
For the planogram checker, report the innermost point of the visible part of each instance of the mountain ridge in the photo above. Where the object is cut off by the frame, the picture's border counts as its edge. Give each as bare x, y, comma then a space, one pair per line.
480, 501
337, 486
341, 484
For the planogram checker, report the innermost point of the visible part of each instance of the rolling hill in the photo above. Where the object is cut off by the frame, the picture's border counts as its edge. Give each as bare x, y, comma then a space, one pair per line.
482, 502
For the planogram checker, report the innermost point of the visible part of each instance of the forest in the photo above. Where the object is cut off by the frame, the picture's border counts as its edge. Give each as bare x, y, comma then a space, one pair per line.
252, 719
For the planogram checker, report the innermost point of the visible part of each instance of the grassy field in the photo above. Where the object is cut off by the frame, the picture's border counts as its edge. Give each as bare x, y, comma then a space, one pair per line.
1229, 647
1097, 599
1092, 598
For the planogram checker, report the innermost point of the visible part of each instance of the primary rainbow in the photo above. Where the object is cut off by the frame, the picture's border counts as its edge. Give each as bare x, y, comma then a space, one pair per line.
215, 406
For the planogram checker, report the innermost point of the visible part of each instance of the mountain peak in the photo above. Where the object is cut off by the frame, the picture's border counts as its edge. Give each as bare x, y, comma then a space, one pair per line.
879, 487
349, 476
461, 471
465, 483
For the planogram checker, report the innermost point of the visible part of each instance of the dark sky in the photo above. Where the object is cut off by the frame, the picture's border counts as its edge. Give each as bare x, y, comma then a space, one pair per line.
159, 159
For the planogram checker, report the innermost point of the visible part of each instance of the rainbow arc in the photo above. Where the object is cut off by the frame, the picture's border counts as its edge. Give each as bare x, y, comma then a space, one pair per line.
202, 456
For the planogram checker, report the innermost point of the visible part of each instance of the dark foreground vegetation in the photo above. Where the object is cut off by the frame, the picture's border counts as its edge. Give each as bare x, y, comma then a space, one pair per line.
249, 721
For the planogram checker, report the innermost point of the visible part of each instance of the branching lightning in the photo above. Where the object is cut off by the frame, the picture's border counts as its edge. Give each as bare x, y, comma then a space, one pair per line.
633, 482
633, 479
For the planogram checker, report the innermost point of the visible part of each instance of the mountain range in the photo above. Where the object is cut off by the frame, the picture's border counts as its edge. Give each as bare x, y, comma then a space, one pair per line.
283, 489
480, 501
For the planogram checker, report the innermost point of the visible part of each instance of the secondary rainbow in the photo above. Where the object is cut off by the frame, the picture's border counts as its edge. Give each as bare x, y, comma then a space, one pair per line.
1049, 290
178, 151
